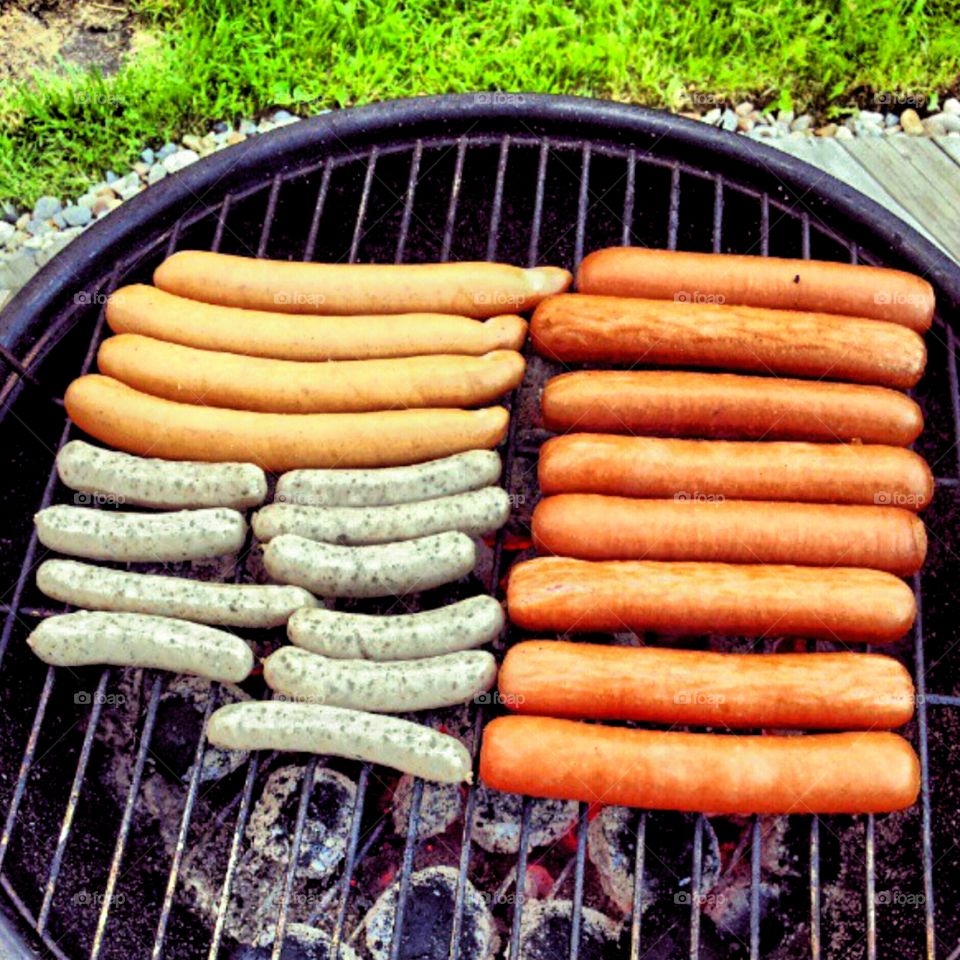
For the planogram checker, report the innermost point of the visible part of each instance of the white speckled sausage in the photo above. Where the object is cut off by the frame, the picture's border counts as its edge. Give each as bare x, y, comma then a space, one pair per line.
222, 604
474, 513
136, 640
390, 569
169, 484
141, 537
373, 488
380, 687
430, 633
312, 728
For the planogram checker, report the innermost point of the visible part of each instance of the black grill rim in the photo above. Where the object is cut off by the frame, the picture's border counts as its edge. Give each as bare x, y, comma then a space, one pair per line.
865, 222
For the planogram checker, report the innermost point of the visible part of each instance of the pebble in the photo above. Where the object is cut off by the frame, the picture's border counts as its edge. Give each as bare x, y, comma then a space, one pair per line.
911, 123
191, 142
177, 161
871, 116
247, 127
36, 227
869, 129
728, 121
951, 105
148, 156
8, 212
844, 133
830, 130
802, 123
940, 123
104, 205
892, 131
221, 126
7, 230
167, 150
77, 216
712, 116
110, 176
141, 168
46, 208
157, 172
234, 136
22, 221
891, 120
785, 116
745, 124
127, 187
744, 109
933, 127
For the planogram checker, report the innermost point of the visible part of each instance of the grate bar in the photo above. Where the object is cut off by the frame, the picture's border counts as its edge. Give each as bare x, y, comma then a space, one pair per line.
583, 202
311, 244
364, 202
756, 853
454, 200
127, 819
717, 236
673, 217
576, 913
268, 217
351, 859
408, 199
72, 800
815, 888
403, 887
695, 884
871, 882
636, 920
538, 204
629, 198
764, 226
498, 198
526, 817
306, 788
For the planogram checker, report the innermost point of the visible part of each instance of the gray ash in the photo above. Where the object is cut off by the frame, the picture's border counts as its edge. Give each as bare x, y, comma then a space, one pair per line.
300, 942
497, 816
545, 932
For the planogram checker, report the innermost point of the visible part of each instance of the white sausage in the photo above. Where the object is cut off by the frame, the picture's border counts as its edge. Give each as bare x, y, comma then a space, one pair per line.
312, 728
222, 604
473, 513
136, 640
443, 681
374, 488
363, 636
141, 537
168, 484
391, 569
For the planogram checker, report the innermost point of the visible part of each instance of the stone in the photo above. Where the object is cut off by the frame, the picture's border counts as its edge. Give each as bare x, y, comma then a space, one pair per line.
128, 187
166, 150
46, 208
37, 227
892, 131
104, 205
802, 123
938, 124
234, 136
951, 105
745, 124
191, 142
247, 127
911, 123
844, 133
77, 216
785, 116
141, 168
157, 172
728, 121
110, 176
712, 116
744, 109
933, 127
8, 212
7, 230
148, 156
22, 221
871, 116
177, 161
830, 130
58, 221
17, 270
221, 126
891, 120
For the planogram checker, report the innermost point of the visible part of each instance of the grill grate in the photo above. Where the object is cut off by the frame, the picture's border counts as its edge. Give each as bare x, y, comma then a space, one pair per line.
527, 221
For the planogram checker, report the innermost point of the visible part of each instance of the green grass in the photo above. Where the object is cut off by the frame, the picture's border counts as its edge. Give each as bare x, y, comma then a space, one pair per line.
225, 59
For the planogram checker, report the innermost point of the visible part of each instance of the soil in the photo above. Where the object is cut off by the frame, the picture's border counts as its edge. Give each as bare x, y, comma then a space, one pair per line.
58, 35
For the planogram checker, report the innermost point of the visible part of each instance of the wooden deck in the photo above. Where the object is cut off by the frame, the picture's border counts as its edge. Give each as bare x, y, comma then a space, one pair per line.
917, 178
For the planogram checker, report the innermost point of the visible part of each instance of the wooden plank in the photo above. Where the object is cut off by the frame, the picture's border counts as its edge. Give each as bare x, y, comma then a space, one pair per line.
951, 147
828, 154
939, 172
901, 179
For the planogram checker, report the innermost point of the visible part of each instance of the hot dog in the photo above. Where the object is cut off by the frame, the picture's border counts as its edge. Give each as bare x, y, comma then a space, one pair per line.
472, 289
842, 288
863, 772
259, 333
230, 380
159, 483
724, 405
805, 691
842, 603
313, 728
714, 469
593, 527
138, 423
577, 327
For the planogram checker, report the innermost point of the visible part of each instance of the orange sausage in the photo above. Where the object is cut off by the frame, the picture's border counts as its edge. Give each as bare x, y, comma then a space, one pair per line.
711, 469
681, 404
843, 603
843, 288
257, 333
126, 419
803, 691
471, 289
594, 527
863, 772
289, 386
576, 327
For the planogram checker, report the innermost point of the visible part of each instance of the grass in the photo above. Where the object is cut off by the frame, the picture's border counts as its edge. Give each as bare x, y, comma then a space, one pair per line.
226, 59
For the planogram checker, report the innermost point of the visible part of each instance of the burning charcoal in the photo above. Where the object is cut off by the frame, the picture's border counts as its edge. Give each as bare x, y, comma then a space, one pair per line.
496, 820
329, 812
428, 920
612, 848
441, 806
545, 932
180, 724
301, 942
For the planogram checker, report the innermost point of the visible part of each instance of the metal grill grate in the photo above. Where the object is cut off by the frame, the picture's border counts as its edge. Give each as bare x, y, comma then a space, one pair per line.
527, 197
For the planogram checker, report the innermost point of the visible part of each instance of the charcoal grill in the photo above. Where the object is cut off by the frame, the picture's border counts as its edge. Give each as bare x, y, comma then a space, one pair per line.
528, 180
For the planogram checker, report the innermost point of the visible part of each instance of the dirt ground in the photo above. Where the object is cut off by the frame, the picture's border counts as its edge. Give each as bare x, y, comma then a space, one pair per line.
57, 34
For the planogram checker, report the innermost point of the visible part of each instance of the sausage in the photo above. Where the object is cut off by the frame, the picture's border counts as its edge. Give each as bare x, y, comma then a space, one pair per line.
121, 478
805, 691
387, 485
443, 681
863, 772
141, 537
593, 527
312, 728
221, 604
841, 603
576, 328
136, 640
377, 571
472, 289
230, 380
474, 513
138, 423
842, 288
727, 405
257, 333
715, 469
409, 636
